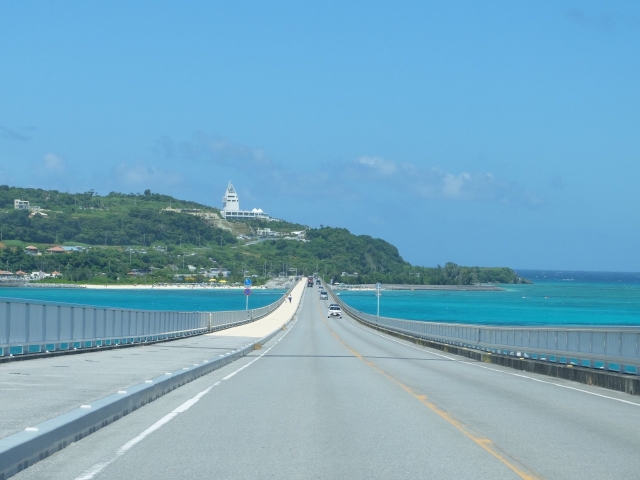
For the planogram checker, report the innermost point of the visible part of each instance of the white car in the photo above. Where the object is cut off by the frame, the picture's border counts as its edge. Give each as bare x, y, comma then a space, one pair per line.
324, 295
334, 311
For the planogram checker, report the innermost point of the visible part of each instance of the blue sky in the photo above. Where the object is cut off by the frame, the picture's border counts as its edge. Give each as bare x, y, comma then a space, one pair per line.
485, 133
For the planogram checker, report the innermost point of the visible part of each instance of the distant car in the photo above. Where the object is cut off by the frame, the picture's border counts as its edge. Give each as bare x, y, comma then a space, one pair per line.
318, 282
334, 311
324, 295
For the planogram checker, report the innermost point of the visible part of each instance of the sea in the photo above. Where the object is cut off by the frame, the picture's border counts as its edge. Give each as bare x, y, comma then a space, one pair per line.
192, 300
556, 298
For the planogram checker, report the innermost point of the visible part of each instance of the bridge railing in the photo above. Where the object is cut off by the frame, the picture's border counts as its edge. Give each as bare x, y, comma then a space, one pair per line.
608, 348
28, 327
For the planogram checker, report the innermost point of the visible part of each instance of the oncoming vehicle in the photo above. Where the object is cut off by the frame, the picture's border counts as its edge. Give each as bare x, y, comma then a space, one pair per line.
310, 282
324, 295
334, 311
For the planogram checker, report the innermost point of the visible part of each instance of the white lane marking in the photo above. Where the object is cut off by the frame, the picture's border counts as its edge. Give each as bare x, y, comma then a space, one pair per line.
402, 343
552, 383
90, 473
495, 369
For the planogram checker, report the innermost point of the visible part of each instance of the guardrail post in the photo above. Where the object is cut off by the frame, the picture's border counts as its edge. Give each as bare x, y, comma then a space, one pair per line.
27, 322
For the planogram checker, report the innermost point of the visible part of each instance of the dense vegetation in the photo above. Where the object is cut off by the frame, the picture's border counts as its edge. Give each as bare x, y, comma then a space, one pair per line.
130, 233
77, 202
138, 226
365, 260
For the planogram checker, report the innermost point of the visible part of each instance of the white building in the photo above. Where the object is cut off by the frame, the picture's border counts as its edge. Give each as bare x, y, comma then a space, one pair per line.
231, 207
24, 205
21, 204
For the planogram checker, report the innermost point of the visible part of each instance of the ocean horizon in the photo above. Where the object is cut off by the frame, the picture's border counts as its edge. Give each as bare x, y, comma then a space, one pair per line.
196, 300
556, 298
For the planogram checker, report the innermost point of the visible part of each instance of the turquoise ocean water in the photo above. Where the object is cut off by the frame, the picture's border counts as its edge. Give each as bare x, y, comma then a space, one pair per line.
180, 300
555, 298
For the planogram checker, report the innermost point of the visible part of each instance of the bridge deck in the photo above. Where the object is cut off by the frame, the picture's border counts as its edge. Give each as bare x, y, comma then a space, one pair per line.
329, 398
36, 390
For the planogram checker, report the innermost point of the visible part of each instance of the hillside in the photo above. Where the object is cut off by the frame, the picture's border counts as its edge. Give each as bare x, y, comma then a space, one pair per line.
154, 237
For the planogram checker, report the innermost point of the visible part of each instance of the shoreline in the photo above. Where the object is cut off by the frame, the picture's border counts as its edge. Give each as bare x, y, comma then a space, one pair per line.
460, 288
143, 287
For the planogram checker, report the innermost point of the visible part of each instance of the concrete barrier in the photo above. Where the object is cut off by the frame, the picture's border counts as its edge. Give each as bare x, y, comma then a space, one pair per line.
29, 329
38, 442
611, 372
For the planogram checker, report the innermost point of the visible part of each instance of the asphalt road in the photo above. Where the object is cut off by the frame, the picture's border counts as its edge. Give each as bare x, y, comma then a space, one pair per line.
329, 398
36, 390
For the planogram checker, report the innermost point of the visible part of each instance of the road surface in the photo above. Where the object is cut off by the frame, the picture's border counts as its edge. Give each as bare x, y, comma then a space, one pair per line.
329, 398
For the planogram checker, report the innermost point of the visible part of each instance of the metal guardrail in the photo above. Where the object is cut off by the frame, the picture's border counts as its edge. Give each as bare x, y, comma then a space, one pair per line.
605, 348
28, 327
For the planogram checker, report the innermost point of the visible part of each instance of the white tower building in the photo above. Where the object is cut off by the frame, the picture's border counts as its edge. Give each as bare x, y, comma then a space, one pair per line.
231, 207
230, 201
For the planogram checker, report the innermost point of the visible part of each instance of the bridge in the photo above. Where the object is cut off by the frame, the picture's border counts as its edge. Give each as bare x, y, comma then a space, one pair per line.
295, 394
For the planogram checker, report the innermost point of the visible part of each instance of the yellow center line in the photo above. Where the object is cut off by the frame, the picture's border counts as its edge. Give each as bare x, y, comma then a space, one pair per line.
517, 467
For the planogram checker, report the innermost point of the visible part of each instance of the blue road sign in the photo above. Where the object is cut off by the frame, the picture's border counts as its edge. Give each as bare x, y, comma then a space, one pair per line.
247, 291
247, 282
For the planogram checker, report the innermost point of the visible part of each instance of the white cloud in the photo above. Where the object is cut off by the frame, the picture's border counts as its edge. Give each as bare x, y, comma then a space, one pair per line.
221, 150
435, 183
470, 186
453, 184
147, 176
53, 163
379, 164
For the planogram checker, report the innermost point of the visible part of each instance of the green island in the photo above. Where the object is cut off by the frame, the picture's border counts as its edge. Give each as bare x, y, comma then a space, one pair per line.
148, 237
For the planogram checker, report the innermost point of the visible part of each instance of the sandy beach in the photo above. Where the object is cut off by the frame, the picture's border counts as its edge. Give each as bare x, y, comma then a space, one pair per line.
170, 287
145, 286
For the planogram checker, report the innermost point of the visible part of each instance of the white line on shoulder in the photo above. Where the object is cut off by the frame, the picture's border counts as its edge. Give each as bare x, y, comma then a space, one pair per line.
353, 322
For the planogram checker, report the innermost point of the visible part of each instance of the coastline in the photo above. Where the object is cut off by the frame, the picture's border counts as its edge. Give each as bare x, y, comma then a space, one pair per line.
143, 287
459, 288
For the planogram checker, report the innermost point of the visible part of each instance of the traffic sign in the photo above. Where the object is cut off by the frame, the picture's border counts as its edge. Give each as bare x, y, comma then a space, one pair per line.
247, 291
247, 282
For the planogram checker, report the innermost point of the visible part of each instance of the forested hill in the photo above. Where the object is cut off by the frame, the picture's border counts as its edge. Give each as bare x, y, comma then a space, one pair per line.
75, 202
114, 219
360, 259
166, 239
